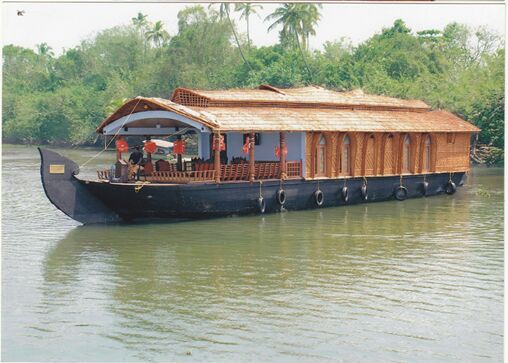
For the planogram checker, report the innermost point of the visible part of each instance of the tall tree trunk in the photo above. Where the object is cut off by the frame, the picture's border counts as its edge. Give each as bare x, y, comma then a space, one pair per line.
303, 55
248, 32
237, 41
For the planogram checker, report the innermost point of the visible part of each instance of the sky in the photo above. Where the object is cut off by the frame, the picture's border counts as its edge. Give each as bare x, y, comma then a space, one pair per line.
65, 25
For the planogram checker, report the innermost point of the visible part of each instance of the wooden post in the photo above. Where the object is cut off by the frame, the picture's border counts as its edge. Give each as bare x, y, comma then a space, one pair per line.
179, 165
252, 167
282, 157
216, 156
118, 153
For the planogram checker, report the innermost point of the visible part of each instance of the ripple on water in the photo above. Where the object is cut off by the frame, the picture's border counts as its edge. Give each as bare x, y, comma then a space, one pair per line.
415, 281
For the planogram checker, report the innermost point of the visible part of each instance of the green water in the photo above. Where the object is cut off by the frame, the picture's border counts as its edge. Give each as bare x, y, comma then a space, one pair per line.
413, 281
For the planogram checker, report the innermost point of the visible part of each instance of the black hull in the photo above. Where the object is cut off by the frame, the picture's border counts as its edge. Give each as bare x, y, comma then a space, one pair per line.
191, 201
92, 202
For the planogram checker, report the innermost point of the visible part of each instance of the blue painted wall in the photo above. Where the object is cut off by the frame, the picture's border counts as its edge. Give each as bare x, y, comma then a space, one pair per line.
295, 142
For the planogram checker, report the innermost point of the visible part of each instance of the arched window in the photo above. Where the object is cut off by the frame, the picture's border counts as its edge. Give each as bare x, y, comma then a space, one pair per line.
389, 152
406, 152
320, 157
426, 153
345, 157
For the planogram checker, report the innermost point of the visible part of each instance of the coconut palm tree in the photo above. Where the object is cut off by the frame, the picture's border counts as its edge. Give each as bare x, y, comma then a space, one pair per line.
298, 21
309, 22
246, 10
225, 13
157, 34
140, 21
141, 24
45, 50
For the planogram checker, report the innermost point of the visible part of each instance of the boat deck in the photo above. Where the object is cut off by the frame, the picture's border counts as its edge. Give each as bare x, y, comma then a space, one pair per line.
204, 172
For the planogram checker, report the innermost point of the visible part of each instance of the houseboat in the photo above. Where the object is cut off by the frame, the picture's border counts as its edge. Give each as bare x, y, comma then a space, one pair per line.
265, 150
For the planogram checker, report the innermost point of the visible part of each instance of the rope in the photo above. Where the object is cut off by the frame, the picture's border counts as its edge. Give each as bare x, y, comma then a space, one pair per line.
400, 181
364, 180
121, 127
115, 135
260, 189
450, 177
139, 185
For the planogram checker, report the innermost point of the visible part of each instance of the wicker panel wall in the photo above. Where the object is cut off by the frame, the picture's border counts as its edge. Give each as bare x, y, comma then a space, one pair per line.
357, 162
452, 152
382, 154
388, 156
370, 156
331, 146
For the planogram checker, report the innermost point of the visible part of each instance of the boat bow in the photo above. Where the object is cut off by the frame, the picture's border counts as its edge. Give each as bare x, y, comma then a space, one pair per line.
68, 194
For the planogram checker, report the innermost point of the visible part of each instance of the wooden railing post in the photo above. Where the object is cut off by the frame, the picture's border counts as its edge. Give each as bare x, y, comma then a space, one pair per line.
216, 159
282, 157
252, 167
179, 164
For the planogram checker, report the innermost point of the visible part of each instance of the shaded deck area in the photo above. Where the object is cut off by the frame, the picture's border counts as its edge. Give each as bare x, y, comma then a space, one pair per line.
196, 172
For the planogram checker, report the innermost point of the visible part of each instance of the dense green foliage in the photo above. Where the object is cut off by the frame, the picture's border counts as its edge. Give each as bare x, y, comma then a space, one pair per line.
61, 99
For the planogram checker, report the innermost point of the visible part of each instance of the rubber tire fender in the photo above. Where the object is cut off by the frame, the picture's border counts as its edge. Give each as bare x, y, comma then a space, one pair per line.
400, 193
261, 205
365, 194
319, 198
345, 194
425, 187
281, 196
450, 188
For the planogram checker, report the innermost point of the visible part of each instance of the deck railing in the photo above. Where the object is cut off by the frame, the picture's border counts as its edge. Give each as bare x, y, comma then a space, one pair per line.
103, 174
181, 177
229, 172
294, 169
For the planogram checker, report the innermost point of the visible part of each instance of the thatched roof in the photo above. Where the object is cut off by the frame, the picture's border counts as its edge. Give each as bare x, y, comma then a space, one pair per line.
298, 109
292, 97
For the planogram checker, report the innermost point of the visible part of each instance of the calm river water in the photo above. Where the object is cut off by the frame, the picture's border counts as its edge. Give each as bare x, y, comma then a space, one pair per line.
413, 281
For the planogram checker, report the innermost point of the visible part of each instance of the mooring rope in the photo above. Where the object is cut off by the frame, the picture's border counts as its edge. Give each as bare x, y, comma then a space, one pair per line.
121, 127
139, 185
115, 135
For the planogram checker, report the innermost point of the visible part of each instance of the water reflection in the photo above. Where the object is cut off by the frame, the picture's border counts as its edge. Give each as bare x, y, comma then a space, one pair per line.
420, 280
332, 277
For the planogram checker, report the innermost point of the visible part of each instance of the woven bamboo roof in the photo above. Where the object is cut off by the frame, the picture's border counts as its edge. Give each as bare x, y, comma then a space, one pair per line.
310, 97
298, 109
298, 119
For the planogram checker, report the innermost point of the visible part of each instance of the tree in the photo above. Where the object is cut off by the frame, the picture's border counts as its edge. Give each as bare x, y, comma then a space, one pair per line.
297, 20
140, 21
157, 34
43, 49
61, 99
224, 12
246, 10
